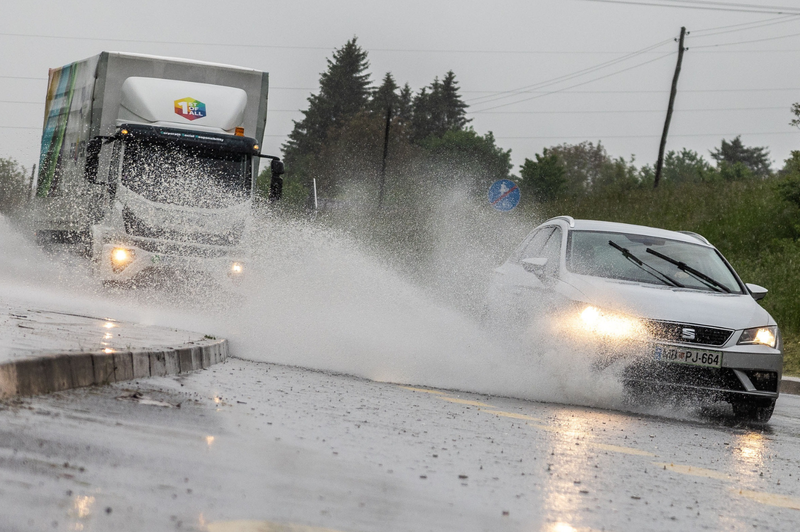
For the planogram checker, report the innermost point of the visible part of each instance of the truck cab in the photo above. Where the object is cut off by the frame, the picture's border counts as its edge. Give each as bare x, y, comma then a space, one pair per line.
148, 167
174, 199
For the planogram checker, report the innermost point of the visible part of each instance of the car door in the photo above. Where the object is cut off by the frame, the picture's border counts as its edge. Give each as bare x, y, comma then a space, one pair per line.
515, 291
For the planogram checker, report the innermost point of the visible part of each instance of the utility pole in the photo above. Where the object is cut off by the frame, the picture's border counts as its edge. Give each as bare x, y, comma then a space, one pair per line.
660, 162
385, 154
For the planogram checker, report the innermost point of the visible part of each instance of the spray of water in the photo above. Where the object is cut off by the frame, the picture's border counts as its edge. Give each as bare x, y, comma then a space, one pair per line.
324, 296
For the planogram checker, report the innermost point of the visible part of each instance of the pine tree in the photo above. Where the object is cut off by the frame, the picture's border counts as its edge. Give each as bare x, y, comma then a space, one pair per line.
754, 159
454, 110
344, 90
405, 105
385, 97
438, 109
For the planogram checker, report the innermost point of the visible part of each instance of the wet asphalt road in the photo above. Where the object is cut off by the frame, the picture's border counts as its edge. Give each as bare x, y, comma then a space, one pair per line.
258, 447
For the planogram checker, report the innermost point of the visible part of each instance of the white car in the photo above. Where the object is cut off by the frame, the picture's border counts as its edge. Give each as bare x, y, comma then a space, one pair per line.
665, 305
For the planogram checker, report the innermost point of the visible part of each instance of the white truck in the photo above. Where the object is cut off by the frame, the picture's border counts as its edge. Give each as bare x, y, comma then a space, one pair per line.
150, 163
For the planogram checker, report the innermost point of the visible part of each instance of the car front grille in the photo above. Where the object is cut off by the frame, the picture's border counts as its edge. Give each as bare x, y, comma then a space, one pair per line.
684, 375
688, 333
135, 226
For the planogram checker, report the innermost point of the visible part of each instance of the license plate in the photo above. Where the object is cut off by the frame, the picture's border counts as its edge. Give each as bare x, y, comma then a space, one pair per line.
688, 355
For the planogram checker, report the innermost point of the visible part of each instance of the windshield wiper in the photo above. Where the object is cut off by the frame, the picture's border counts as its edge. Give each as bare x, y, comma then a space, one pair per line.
700, 276
661, 276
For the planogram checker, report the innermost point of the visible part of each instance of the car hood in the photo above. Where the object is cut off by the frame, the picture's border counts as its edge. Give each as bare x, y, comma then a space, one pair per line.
731, 311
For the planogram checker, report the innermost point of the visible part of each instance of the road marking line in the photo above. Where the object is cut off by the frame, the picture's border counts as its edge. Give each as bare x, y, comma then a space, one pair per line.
772, 499
464, 401
620, 449
262, 526
693, 471
603, 446
423, 390
544, 427
512, 415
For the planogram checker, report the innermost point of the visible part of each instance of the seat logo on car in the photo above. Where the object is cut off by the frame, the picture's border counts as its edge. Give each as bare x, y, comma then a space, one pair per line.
687, 334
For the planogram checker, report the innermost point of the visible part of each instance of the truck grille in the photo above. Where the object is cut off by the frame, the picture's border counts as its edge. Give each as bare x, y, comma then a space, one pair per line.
688, 333
135, 226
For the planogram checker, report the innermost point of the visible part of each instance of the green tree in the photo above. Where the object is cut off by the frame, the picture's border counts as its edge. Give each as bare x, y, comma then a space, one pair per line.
344, 91
789, 186
13, 185
583, 165
755, 159
542, 179
686, 166
464, 157
385, 97
796, 112
405, 107
617, 174
438, 109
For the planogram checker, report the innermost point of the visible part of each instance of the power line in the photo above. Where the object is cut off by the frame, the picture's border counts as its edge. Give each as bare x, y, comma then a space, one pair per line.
314, 48
753, 26
571, 137
747, 42
712, 6
656, 91
572, 75
580, 84
781, 18
632, 111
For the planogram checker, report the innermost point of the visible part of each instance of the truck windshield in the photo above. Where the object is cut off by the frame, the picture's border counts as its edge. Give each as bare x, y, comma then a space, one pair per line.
186, 175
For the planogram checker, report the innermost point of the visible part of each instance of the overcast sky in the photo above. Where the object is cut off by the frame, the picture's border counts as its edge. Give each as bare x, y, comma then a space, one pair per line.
493, 47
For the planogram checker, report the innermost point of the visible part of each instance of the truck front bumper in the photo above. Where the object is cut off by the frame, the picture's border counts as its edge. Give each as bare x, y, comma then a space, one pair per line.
125, 258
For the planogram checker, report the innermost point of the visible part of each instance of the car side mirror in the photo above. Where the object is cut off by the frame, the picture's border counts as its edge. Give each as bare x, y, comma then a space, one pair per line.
535, 265
758, 292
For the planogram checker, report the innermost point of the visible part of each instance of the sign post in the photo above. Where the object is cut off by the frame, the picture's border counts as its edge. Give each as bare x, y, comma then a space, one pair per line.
504, 195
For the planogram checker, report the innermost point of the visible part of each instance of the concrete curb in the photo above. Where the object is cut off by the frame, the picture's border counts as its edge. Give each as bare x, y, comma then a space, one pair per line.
41, 374
790, 385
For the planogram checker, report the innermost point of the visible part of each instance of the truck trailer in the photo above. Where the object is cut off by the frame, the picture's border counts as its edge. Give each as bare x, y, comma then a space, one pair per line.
150, 164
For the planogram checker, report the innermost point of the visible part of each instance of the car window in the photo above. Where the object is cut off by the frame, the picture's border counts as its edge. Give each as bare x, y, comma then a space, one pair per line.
533, 246
590, 253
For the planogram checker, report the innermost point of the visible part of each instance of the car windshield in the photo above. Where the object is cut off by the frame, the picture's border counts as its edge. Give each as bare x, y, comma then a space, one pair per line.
589, 253
185, 175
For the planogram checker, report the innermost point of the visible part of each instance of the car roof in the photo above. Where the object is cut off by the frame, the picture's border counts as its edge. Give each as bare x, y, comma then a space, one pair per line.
616, 227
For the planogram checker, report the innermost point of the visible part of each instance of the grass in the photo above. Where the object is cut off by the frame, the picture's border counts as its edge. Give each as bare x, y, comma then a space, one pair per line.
747, 221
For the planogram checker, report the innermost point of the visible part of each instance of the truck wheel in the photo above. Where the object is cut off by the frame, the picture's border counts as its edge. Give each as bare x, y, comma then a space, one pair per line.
753, 411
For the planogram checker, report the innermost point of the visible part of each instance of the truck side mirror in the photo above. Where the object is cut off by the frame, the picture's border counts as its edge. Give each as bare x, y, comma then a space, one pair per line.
276, 183
93, 159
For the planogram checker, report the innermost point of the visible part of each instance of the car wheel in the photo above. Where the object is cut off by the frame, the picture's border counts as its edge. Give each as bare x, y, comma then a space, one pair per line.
753, 411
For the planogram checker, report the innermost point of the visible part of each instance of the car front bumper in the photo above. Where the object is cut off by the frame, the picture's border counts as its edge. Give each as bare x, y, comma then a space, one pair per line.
747, 372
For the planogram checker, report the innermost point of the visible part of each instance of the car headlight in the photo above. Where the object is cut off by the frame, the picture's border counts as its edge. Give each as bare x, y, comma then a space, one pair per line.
611, 325
760, 335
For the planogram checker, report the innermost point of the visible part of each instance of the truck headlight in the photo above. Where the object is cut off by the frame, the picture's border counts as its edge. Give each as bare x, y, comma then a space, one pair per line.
760, 335
121, 258
237, 268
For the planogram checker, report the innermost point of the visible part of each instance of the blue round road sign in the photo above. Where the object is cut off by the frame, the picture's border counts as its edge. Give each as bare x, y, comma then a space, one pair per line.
504, 195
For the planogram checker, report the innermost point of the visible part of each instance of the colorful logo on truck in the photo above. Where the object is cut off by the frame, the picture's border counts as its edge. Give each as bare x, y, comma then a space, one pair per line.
190, 109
